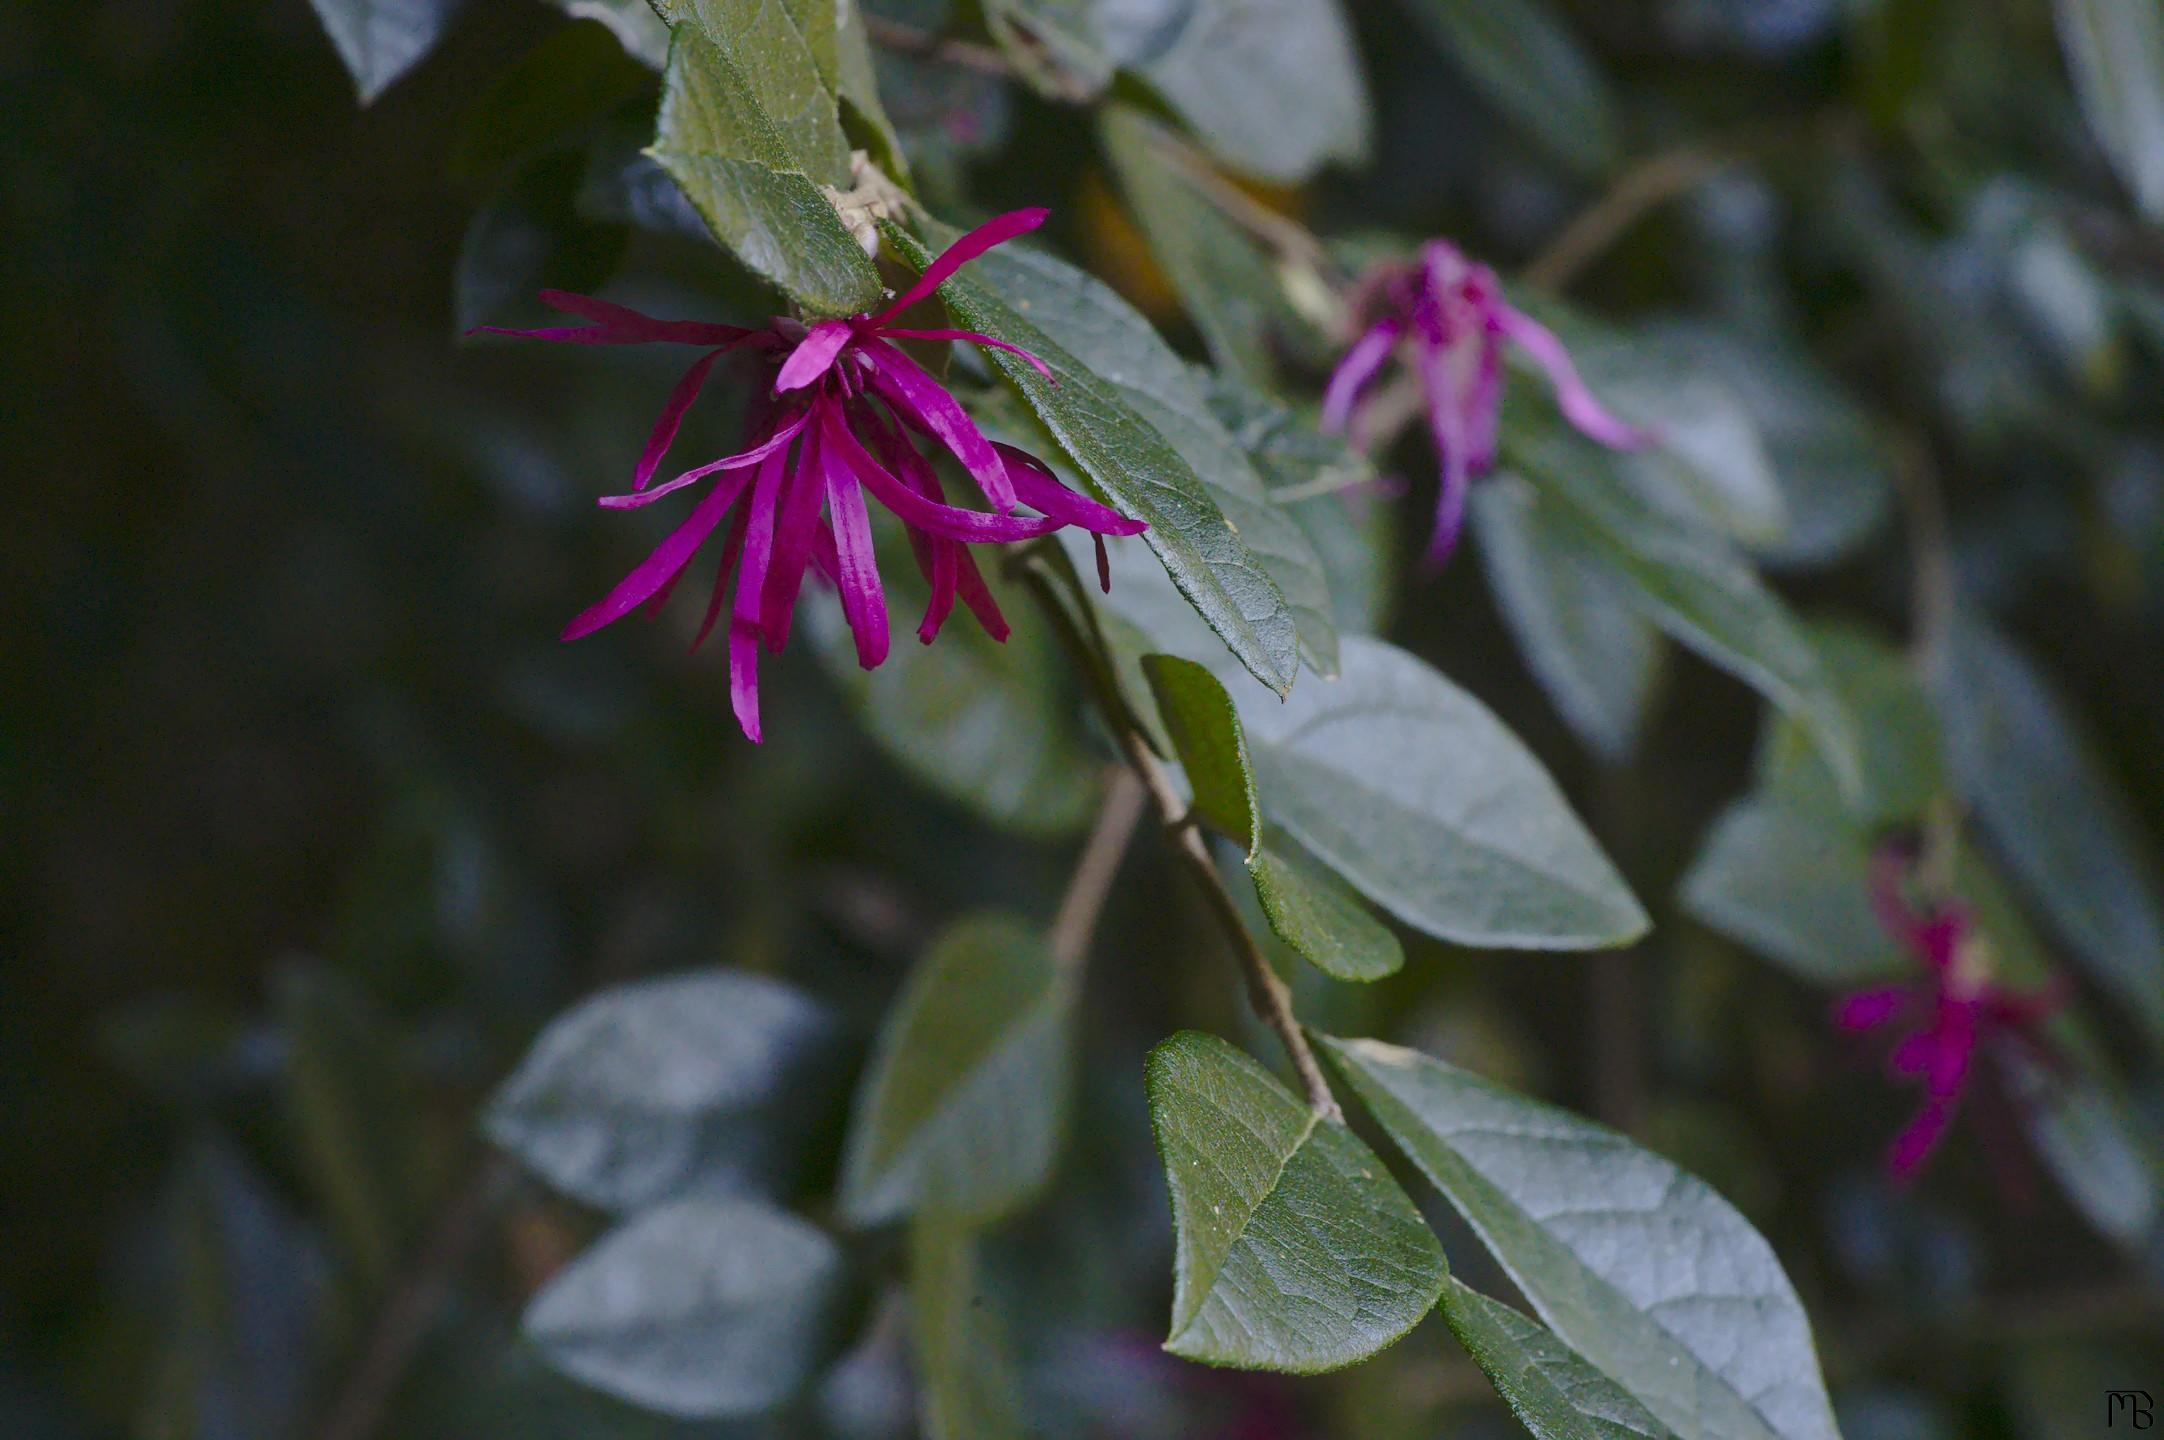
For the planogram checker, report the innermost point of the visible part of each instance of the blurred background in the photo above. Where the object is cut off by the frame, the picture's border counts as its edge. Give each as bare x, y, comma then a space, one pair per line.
311, 823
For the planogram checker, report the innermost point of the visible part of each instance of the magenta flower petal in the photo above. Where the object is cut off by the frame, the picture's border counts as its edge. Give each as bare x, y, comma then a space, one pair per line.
731, 547
1572, 395
890, 333
1446, 423
1917, 1139
621, 325
1869, 1009
814, 355
1352, 374
971, 526
864, 600
672, 418
794, 527
996, 231
745, 460
1038, 488
662, 566
911, 389
969, 584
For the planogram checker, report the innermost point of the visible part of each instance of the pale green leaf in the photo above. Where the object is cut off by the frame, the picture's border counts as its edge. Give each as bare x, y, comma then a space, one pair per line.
697, 1081
1793, 884
1902, 749
2115, 49
1296, 1250
1644, 1271
961, 1111
1550, 1388
699, 1308
381, 40
965, 1381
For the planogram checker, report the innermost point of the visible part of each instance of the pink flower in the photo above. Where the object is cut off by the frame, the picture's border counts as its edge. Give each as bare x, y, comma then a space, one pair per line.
1956, 1009
847, 412
1448, 317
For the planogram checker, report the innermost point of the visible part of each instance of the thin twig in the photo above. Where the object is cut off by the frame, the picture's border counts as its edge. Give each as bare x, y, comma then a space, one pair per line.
1645, 187
1269, 995
417, 1293
1091, 884
1279, 231
908, 40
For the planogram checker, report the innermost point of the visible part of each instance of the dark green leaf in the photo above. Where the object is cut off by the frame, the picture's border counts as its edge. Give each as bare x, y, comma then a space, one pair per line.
2116, 50
1594, 653
1902, 750
1637, 1266
643, 34
784, 52
1550, 1388
1692, 586
1199, 717
1793, 884
699, 1308
965, 1379
1297, 1251
578, 74
962, 1110
2020, 758
990, 724
690, 1082
1125, 457
530, 237
1521, 54
733, 163
381, 40
1317, 914
2086, 1132
1409, 788
1272, 86
1223, 278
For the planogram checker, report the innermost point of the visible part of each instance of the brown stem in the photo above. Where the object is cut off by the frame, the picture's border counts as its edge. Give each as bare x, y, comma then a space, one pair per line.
908, 40
1269, 995
1646, 186
1279, 231
416, 1295
1091, 884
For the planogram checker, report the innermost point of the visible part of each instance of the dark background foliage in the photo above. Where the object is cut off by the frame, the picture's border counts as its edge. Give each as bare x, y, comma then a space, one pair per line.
311, 823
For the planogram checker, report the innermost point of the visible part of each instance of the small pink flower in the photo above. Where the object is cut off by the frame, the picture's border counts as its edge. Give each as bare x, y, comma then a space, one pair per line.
847, 412
1448, 316
1956, 1008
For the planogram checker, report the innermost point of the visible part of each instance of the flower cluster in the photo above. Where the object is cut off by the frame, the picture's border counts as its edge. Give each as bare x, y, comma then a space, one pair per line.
1447, 316
1955, 1010
845, 411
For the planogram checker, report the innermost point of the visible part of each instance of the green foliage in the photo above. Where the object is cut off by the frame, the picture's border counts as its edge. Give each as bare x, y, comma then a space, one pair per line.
382, 39
1549, 1386
1297, 1251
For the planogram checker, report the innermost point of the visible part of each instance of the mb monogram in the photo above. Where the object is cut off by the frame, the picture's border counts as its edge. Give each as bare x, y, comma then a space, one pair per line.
2131, 1408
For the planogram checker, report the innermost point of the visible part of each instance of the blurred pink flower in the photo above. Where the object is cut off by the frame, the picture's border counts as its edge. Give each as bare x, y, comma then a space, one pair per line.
1448, 315
836, 385
1955, 1009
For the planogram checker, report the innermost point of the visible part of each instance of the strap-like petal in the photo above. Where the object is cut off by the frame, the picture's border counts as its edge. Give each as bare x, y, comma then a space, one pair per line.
910, 388
996, 231
773, 444
796, 520
887, 332
864, 599
620, 325
662, 566
1572, 395
1037, 487
813, 356
971, 526
1353, 373
672, 418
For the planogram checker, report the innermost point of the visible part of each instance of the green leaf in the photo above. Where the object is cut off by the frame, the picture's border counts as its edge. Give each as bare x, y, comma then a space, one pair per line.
1639, 1267
1272, 86
689, 1082
785, 53
965, 1378
1205, 729
528, 237
1597, 657
1409, 788
961, 1111
2040, 793
576, 75
1053, 44
1317, 914
990, 724
1902, 749
703, 1308
381, 40
856, 86
354, 1111
2087, 1134
1794, 885
642, 33
1520, 53
1223, 278
1692, 586
2115, 49
724, 150
1296, 1250
1549, 1386
1125, 456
